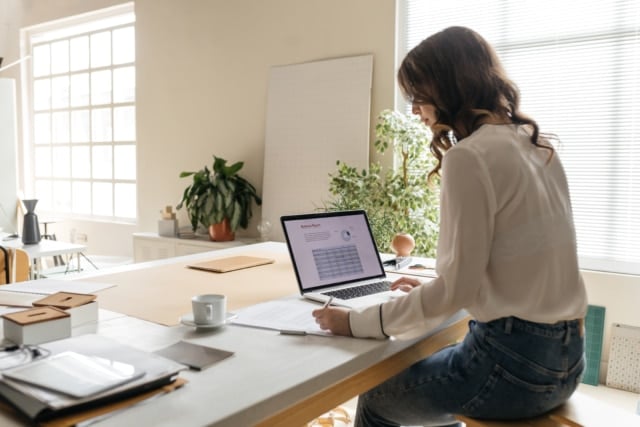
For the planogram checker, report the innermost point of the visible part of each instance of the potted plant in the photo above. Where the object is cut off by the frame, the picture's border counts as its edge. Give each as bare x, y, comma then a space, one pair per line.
219, 199
399, 200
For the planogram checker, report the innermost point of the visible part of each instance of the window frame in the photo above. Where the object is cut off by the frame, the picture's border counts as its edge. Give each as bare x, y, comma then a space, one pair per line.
109, 19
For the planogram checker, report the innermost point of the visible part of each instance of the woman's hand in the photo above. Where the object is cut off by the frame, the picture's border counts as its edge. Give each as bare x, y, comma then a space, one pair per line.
333, 319
405, 284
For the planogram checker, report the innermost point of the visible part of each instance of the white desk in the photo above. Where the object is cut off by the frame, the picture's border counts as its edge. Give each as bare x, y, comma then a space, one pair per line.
271, 379
46, 248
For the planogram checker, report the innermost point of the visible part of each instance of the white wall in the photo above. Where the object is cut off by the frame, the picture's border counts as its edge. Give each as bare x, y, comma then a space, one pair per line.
203, 73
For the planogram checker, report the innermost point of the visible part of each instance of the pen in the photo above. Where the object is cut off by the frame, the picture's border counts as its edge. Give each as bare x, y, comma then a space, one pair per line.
292, 332
326, 304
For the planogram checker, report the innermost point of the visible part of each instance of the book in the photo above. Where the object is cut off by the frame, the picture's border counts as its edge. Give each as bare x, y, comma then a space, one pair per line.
39, 403
233, 263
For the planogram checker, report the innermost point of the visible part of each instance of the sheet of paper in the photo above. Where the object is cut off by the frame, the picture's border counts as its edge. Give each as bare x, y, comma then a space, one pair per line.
414, 270
290, 314
8, 310
51, 286
18, 299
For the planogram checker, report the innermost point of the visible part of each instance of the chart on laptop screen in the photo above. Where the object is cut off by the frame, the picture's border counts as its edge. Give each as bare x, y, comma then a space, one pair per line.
333, 263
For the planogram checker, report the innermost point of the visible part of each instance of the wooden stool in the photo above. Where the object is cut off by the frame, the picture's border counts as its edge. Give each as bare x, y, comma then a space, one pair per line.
580, 411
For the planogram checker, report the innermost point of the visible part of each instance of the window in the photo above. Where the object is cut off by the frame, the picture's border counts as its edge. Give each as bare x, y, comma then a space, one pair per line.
80, 155
578, 70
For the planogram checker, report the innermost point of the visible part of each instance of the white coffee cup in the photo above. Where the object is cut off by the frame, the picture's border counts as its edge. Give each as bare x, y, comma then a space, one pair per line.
209, 309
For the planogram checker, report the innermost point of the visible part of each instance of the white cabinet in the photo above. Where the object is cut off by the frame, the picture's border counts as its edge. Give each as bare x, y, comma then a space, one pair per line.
150, 246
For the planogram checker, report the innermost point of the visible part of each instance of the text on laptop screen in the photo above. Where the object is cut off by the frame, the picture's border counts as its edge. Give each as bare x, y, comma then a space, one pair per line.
332, 250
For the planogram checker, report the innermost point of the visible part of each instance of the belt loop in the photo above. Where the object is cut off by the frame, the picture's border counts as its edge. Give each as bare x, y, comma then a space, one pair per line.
508, 325
567, 333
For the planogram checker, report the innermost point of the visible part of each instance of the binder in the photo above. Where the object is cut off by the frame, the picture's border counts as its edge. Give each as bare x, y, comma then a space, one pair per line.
39, 404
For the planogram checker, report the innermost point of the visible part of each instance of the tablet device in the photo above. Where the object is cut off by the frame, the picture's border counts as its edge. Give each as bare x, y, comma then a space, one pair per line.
75, 374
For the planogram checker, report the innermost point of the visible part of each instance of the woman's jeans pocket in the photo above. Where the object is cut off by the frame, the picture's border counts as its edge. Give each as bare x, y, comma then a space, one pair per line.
520, 379
512, 397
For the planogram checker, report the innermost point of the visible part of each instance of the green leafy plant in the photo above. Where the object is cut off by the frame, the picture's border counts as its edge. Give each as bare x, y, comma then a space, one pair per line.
399, 199
219, 193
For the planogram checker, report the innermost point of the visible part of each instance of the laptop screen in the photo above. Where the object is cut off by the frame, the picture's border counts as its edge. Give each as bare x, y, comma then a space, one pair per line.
331, 248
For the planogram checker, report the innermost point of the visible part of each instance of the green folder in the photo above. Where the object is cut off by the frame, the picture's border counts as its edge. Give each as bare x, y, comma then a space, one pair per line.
594, 330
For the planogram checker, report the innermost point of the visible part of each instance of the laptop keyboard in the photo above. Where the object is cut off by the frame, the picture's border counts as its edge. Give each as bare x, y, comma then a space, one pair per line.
360, 291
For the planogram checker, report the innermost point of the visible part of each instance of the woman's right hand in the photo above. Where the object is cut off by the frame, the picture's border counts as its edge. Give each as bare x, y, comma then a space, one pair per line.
405, 284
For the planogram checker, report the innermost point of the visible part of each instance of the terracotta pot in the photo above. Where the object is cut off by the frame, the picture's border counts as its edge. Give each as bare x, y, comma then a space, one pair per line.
221, 232
402, 244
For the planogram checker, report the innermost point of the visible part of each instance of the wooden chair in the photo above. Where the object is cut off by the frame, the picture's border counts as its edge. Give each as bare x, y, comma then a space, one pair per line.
580, 411
14, 265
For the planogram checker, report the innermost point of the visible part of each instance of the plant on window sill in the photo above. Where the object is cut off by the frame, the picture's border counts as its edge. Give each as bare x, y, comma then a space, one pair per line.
398, 200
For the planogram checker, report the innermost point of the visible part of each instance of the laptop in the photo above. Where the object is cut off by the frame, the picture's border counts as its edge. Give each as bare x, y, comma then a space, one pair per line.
334, 255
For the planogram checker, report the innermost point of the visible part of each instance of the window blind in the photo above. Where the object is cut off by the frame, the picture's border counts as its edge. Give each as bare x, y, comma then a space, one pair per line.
578, 69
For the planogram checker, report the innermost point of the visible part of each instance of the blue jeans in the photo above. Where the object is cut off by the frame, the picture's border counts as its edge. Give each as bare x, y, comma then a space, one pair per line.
504, 369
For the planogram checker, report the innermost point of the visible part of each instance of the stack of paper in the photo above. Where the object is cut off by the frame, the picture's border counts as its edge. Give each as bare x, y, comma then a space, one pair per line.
292, 314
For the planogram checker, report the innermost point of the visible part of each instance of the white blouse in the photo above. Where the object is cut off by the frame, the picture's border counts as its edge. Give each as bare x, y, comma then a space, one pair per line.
506, 245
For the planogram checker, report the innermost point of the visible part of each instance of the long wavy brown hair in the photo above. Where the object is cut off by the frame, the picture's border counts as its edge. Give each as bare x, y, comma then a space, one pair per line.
460, 74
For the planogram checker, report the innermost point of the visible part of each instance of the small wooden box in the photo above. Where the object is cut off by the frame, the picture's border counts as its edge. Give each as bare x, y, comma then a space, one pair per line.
82, 307
37, 325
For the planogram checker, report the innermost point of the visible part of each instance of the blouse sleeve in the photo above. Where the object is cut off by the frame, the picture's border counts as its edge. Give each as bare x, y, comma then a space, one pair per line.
467, 211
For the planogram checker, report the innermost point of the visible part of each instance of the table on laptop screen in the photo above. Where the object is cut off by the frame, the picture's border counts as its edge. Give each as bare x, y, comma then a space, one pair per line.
332, 250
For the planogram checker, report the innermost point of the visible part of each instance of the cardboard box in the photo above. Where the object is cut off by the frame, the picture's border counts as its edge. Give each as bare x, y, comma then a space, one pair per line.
37, 325
82, 307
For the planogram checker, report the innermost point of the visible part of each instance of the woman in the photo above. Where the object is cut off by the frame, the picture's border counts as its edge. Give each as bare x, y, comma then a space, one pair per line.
506, 254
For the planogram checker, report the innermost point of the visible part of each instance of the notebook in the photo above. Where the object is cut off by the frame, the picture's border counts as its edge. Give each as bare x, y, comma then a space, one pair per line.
335, 254
233, 263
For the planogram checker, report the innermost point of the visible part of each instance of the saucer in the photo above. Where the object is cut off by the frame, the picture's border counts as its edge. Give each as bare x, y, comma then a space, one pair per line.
187, 320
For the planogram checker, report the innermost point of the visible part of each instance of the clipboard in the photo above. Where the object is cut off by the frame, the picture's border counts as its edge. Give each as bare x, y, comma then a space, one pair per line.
224, 265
